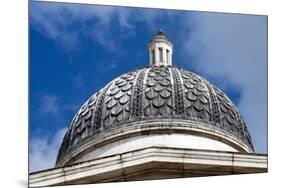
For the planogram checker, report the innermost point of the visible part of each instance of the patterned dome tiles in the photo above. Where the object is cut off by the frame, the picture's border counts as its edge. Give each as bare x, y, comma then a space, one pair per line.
155, 92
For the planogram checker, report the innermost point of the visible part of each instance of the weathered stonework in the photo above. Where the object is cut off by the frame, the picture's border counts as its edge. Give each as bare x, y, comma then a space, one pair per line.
165, 93
152, 163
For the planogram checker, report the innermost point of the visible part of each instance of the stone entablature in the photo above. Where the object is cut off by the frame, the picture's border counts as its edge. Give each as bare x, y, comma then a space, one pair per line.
152, 163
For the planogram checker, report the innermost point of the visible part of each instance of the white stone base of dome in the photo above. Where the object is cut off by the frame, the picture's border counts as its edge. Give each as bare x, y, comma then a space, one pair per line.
155, 133
174, 140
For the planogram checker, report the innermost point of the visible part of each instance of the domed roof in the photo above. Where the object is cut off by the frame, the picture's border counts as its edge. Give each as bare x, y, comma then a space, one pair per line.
157, 94
154, 93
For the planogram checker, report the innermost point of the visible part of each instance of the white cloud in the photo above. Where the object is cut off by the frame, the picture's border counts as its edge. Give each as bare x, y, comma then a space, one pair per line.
55, 21
43, 148
234, 47
43, 151
79, 80
58, 22
49, 105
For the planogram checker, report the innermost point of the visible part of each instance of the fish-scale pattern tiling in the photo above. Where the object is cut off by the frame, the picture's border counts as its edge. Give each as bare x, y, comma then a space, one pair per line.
231, 118
197, 100
151, 93
158, 93
81, 126
117, 100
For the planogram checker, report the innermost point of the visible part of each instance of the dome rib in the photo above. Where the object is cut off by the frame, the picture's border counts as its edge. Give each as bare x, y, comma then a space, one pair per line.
214, 105
97, 121
137, 97
178, 92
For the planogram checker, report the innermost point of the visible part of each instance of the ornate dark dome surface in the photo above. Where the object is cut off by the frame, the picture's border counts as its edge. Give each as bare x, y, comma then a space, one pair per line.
154, 93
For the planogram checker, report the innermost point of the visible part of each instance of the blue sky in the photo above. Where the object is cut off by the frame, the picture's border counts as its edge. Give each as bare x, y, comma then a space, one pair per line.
76, 49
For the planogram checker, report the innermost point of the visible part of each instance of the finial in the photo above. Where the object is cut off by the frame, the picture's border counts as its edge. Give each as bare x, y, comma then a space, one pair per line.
160, 32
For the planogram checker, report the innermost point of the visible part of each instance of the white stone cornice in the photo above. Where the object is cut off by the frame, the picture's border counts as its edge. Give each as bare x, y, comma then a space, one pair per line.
156, 161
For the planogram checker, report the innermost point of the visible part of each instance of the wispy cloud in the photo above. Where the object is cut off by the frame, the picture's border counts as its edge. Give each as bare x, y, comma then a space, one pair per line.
52, 105
44, 144
43, 151
58, 22
49, 105
79, 80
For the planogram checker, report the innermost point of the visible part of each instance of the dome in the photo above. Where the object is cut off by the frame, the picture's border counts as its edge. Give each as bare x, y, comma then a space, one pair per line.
150, 94
154, 94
